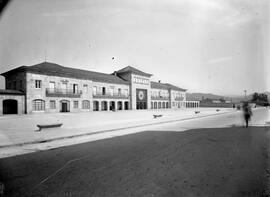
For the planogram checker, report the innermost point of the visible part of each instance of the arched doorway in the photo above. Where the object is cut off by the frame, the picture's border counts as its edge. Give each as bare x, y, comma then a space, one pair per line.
112, 105
163, 105
155, 105
119, 105
167, 105
104, 105
10, 106
64, 106
96, 106
126, 105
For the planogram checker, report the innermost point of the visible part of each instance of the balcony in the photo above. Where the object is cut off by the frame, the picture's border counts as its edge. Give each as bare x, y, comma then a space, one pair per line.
110, 96
59, 92
159, 98
179, 98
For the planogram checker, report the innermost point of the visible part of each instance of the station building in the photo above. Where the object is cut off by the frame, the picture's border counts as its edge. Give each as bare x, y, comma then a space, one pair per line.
49, 87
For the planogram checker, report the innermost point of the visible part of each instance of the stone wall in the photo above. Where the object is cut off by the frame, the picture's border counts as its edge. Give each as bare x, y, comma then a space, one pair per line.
40, 93
19, 98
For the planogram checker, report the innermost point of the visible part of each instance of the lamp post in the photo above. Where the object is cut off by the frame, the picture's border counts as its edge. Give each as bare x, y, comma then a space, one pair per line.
245, 94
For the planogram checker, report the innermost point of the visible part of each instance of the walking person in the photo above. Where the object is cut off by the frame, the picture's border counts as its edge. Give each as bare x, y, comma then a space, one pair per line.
247, 113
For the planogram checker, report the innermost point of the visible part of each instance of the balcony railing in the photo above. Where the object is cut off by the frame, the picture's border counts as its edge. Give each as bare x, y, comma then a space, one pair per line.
179, 98
159, 98
110, 96
59, 92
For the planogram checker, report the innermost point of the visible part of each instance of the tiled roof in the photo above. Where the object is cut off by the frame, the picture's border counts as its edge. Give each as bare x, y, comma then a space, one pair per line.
173, 87
130, 69
2, 91
165, 86
52, 69
157, 85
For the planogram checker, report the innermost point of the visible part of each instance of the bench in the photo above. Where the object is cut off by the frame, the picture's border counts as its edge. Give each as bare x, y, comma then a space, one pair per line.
197, 112
45, 126
157, 115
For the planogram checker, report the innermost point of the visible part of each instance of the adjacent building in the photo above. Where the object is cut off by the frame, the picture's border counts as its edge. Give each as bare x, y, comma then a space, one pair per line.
49, 87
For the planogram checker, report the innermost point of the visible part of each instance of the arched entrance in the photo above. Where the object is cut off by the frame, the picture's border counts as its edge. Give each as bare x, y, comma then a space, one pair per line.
119, 105
112, 105
126, 105
104, 105
10, 106
64, 106
96, 106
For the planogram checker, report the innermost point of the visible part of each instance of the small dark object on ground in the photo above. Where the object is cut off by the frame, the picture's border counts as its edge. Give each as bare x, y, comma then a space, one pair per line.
44, 126
157, 116
218, 110
197, 112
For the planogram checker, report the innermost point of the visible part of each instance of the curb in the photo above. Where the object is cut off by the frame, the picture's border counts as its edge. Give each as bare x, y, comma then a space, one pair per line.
109, 130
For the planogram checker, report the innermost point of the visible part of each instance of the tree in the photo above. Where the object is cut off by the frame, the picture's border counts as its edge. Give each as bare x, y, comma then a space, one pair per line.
255, 97
260, 98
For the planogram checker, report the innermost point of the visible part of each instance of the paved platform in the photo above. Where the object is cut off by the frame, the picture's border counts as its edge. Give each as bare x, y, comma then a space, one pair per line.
16, 130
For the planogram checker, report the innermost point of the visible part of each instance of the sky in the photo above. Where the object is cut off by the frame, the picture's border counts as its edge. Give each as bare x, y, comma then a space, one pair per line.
209, 46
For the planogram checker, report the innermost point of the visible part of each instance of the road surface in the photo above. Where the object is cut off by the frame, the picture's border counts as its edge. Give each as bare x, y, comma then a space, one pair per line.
214, 156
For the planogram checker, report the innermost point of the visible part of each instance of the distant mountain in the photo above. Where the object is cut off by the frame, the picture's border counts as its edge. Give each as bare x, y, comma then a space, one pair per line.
199, 96
234, 98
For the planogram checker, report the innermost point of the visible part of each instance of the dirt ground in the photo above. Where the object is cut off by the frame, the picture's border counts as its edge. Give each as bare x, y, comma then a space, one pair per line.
202, 162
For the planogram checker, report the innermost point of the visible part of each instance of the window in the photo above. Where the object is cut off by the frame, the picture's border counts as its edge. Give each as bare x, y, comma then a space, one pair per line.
75, 88
111, 91
103, 90
38, 105
94, 90
52, 105
75, 104
51, 86
86, 104
126, 92
85, 88
21, 85
119, 91
14, 85
64, 86
9, 86
38, 83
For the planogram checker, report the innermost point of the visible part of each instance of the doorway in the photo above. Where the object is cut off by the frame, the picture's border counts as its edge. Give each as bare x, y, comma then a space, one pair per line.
64, 106
10, 106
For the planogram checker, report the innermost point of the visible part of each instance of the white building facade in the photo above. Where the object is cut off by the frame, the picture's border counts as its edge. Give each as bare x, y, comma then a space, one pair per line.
49, 87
